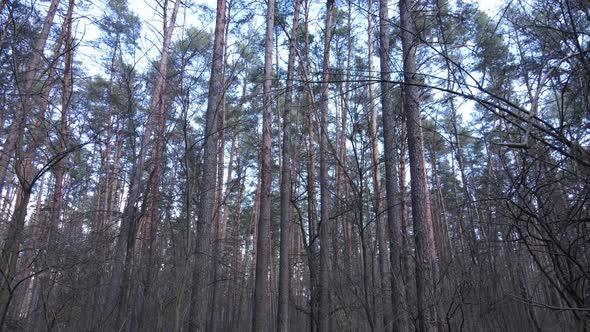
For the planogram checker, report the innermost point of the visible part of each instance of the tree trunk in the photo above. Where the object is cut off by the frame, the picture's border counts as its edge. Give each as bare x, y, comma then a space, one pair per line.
201, 263
158, 105
310, 243
24, 171
285, 240
261, 312
325, 224
394, 215
217, 225
426, 256
384, 309
59, 167
10, 252
16, 131
38, 134
234, 289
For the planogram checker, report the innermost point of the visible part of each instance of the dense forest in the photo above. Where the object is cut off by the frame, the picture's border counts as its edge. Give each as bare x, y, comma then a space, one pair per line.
246, 165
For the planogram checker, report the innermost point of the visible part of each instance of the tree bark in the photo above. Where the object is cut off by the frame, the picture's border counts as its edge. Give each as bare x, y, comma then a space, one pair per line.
59, 167
201, 263
16, 131
14, 143
394, 215
261, 312
325, 224
158, 104
426, 256
384, 309
285, 240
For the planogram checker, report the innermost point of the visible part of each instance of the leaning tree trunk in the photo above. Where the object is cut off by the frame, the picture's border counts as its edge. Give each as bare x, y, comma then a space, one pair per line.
59, 167
16, 130
157, 106
22, 111
13, 143
38, 136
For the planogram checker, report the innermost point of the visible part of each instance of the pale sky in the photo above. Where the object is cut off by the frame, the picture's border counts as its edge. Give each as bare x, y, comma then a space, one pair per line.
151, 25
489, 5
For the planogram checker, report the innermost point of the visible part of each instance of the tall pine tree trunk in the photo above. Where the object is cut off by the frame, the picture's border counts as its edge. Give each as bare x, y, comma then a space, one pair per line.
394, 213
426, 256
384, 310
201, 263
59, 167
261, 312
286, 231
158, 105
310, 243
14, 143
16, 131
325, 224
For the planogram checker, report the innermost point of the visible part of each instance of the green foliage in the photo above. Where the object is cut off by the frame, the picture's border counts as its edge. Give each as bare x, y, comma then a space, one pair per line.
120, 25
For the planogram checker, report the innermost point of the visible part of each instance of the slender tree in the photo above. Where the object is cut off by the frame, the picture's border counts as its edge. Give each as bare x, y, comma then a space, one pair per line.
15, 134
201, 262
158, 104
394, 213
286, 183
27, 177
59, 167
261, 298
325, 224
384, 309
426, 256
